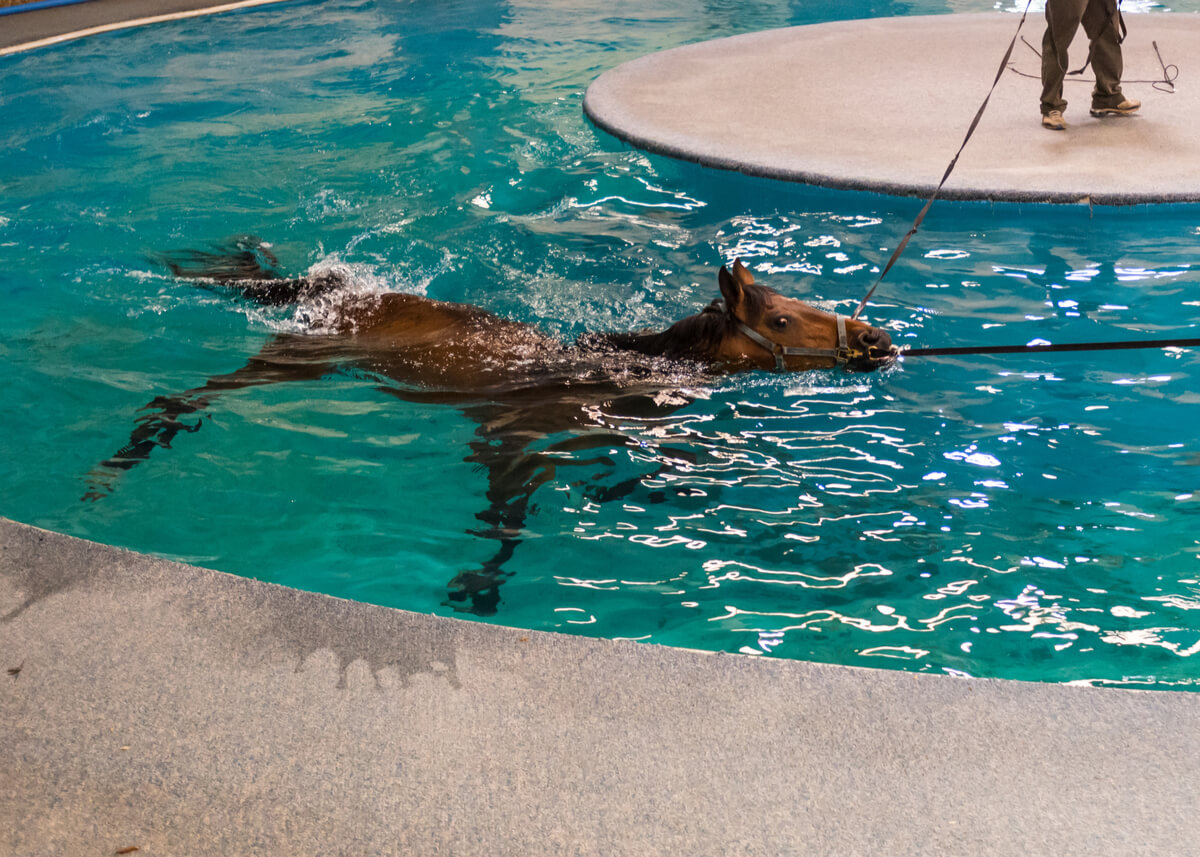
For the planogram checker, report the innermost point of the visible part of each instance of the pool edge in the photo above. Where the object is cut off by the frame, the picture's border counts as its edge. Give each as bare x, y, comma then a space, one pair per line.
33, 29
178, 709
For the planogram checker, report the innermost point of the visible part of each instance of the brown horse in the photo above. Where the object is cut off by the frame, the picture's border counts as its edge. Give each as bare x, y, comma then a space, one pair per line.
517, 383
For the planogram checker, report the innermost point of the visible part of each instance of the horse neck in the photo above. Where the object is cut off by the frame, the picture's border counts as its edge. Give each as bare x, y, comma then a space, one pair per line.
697, 337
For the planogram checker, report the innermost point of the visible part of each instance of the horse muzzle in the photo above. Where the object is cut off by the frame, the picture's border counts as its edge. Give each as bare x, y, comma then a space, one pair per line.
870, 349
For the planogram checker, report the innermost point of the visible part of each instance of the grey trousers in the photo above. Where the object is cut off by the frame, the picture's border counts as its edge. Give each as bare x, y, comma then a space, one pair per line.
1101, 24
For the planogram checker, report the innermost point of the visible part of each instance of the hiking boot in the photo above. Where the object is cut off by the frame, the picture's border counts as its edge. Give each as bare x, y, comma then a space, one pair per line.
1126, 108
1054, 121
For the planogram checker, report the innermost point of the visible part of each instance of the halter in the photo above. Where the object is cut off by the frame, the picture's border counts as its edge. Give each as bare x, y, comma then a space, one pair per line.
840, 355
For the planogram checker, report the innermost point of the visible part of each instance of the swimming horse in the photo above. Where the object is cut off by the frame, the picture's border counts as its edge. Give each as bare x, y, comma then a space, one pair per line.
518, 384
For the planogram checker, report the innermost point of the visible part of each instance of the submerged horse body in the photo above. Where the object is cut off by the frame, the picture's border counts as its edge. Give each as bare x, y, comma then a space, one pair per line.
519, 385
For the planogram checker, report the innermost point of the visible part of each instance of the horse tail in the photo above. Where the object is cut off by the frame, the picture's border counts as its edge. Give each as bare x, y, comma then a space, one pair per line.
246, 264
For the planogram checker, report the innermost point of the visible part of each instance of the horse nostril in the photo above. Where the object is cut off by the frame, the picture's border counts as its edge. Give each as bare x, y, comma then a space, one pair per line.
875, 339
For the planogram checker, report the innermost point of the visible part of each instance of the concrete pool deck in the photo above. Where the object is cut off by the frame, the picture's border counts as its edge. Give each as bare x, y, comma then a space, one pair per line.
182, 711
883, 104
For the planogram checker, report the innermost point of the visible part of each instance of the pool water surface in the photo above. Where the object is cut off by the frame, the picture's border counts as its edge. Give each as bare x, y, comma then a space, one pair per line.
1008, 516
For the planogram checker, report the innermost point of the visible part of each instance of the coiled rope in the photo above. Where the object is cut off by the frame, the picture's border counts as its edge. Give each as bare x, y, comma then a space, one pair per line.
1166, 83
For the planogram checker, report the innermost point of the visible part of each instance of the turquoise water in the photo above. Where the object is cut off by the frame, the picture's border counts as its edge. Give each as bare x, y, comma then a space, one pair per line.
1033, 518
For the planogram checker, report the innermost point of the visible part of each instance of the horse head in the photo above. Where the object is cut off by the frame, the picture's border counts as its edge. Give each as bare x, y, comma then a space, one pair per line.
765, 330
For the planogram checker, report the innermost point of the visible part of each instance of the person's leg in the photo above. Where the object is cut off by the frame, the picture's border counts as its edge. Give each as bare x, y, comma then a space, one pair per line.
1062, 20
1102, 25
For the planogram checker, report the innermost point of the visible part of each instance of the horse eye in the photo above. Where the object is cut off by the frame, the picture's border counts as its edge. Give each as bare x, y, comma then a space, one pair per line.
780, 323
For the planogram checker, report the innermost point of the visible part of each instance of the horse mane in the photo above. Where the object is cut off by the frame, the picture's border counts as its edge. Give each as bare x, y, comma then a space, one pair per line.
696, 337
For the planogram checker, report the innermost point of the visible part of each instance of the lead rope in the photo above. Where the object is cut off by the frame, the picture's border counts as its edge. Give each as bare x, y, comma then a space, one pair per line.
1047, 347
950, 168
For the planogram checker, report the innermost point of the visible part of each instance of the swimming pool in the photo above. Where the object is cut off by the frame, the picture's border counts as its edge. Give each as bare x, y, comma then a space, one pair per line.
992, 516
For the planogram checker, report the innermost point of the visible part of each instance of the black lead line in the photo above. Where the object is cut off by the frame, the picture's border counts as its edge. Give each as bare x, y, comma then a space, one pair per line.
1048, 348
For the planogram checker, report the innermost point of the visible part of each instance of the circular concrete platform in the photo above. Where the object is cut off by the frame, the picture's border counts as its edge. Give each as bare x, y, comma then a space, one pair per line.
883, 105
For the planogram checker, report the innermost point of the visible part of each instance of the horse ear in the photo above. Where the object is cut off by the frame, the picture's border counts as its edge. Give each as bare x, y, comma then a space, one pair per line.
731, 289
742, 274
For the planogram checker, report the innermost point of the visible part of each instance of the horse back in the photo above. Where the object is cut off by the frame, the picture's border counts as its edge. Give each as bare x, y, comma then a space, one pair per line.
414, 339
